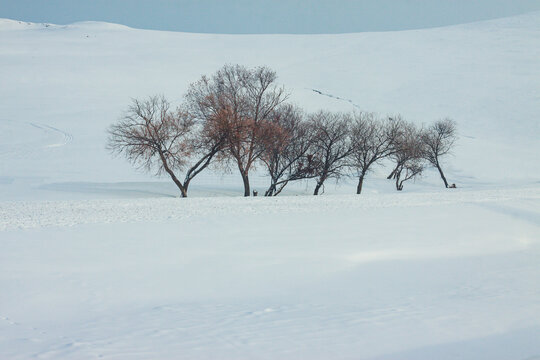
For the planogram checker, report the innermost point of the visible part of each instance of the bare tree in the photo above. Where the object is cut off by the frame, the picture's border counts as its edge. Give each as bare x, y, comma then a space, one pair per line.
407, 154
242, 99
438, 140
331, 145
372, 140
409, 170
397, 127
286, 149
155, 138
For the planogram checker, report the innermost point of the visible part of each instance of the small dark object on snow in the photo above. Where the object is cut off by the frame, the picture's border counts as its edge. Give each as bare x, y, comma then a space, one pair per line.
255, 193
453, 186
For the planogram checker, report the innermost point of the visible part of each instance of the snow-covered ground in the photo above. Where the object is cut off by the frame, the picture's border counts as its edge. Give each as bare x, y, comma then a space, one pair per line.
397, 276
101, 261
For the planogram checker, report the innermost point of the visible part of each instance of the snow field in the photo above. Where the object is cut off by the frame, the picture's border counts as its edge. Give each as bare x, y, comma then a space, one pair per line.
333, 277
100, 261
32, 214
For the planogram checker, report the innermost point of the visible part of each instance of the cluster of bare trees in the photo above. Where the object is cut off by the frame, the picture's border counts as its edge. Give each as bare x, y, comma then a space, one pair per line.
240, 118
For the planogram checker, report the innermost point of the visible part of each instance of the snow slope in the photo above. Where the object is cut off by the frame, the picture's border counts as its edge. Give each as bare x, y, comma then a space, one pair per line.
101, 261
62, 86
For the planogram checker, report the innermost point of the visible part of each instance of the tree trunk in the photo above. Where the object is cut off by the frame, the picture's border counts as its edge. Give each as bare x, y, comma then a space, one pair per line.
360, 183
399, 185
245, 179
183, 190
320, 182
317, 187
393, 173
442, 175
278, 191
271, 190
186, 185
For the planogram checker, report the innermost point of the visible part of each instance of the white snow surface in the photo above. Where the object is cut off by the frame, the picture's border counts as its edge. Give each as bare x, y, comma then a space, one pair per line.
99, 260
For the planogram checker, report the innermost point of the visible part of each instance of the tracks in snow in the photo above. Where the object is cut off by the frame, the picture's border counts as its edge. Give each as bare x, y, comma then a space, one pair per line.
335, 97
66, 137
24, 140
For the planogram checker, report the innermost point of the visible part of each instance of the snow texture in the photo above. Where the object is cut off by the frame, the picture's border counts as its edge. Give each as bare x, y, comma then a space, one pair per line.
99, 260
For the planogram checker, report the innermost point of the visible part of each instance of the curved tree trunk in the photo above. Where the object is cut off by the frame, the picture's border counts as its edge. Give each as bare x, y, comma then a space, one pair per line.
393, 173
442, 175
271, 190
183, 190
199, 166
320, 183
278, 191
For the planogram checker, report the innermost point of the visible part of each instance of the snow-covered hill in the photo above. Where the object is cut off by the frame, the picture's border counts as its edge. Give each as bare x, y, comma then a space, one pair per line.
62, 86
100, 261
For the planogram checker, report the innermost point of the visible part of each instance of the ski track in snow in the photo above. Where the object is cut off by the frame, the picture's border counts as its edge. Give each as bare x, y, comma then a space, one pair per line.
34, 214
66, 137
335, 97
31, 145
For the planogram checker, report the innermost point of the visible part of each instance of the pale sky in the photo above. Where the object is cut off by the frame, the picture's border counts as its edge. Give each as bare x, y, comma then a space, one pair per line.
267, 16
